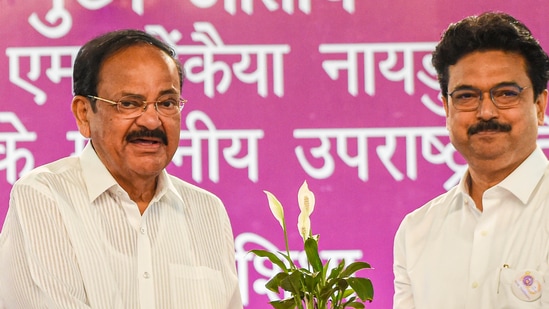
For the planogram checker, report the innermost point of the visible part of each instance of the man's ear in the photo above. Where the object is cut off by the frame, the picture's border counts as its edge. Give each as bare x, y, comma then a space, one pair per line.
446, 108
80, 109
541, 107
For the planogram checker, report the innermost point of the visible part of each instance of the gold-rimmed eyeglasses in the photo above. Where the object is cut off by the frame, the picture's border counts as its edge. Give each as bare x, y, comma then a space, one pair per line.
134, 106
503, 96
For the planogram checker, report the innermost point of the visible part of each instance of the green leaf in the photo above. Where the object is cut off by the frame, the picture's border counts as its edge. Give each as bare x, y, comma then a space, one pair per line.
288, 303
351, 299
311, 249
354, 305
348, 292
327, 291
336, 270
363, 288
354, 267
272, 257
292, 283
289, 259
309, 280
275, 282
342, 284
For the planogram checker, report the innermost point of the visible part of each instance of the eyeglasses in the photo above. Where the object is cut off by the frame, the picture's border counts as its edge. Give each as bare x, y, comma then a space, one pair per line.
134, 106
503, 97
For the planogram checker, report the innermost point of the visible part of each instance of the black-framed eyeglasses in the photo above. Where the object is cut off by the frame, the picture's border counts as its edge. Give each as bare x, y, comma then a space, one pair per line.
132, 106
503, 97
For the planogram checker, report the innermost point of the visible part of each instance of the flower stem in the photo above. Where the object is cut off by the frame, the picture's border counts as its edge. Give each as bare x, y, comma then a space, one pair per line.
286, 243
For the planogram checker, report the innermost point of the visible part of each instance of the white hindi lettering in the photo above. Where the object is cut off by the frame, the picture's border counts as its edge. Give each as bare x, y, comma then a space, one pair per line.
265, 270
201, 65
322, 152
79, 141
94, 4
196, 135
429, 78
34, 54
243, 258
57, 16
137, 5
444, 153
369, 50
206, 61
287, 6
10, 151
543, 137
433, 149
429, 143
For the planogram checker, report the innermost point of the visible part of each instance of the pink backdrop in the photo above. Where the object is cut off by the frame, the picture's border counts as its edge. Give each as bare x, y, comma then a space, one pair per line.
336, 92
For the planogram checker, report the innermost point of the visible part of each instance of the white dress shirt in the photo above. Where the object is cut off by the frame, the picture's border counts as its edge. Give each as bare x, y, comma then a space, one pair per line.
448, 254
72, 238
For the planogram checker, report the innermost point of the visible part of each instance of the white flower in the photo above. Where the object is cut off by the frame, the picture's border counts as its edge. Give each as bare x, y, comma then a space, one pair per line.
276, 208
304, 225
306, 200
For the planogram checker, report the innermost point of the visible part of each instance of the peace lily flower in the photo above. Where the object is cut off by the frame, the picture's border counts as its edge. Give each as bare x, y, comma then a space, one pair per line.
306, 201
317, 286
304, 225
276, 208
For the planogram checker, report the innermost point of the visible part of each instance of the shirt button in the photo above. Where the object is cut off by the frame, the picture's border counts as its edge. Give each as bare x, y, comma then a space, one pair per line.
484, 233
143, 230
474, 285
146, 275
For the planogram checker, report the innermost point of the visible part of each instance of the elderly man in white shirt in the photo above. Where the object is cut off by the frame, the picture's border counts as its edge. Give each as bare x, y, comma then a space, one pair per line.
111, 228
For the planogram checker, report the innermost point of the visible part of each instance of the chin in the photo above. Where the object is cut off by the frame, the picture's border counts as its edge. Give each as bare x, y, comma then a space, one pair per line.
146, 167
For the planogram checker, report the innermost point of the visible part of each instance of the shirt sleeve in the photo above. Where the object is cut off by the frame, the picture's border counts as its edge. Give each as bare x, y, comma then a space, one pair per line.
403, 298
38, 263
235, 300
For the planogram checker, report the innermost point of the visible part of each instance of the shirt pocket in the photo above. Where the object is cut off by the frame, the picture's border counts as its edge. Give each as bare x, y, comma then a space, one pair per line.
196, 287
521, 288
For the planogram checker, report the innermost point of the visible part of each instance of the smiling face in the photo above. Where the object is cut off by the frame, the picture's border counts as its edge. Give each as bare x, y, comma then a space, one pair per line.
487, 145
137, 148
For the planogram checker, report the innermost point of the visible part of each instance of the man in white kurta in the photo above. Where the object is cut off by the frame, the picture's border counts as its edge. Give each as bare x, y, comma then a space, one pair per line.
110, 228
485, 243
448, 254
98, 251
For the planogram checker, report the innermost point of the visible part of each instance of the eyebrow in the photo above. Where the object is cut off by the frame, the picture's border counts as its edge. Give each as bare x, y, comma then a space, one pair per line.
470, 87
168, 91
162, 93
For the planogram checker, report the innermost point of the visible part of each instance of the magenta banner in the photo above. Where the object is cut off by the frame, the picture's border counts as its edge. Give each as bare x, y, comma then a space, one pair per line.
340, 93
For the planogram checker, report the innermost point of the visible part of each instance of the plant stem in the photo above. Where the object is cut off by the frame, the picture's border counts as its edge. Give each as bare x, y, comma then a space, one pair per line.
286, 243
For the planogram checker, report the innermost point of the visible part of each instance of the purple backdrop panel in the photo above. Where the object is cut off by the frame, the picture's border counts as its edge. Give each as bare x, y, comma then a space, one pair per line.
340, 93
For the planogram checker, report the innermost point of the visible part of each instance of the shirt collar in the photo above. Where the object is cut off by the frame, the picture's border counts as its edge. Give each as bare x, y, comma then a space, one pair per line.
523, 180
96, 176
165, 185
98, 179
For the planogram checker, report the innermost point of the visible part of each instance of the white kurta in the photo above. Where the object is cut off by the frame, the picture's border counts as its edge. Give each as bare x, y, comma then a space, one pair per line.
72, 238
448, 254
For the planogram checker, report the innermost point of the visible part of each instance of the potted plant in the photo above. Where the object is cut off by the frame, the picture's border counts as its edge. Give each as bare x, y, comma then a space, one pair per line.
317, 286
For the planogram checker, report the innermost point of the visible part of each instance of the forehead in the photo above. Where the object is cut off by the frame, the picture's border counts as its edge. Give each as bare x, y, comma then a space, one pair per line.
140, 67
488, 68
138, 54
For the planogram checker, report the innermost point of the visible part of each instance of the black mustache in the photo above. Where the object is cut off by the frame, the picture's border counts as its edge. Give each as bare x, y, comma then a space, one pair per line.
147, 133
490, 125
